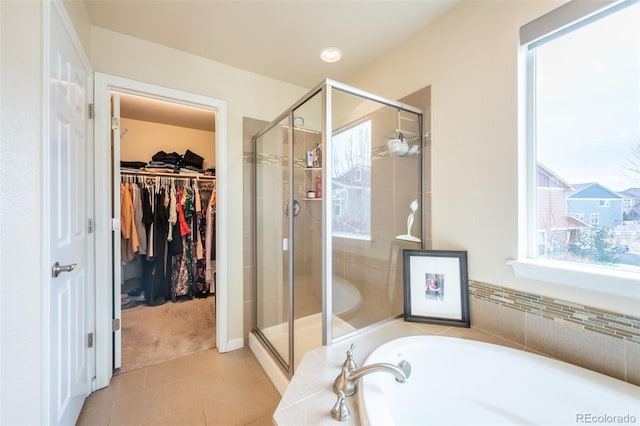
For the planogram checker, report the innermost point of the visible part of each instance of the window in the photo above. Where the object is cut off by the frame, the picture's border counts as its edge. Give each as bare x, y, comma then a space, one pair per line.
583, 104
358, 175
351, 181
542, 247
337, 208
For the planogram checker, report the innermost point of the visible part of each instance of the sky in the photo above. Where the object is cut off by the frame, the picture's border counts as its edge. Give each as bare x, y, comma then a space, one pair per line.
588, 98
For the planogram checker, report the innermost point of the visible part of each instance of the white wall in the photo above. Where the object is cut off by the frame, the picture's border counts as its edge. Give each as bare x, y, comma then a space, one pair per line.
21, 269
469, 56
80, 19
144, 139
22, 274
247, 94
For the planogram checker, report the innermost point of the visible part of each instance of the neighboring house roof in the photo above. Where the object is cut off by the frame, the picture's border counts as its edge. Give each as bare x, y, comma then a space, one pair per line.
574, 222
593, 190
552, 180
348, 178
632, 193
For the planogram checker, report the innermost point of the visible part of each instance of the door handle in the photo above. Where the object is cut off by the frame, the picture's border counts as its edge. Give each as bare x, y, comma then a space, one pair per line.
57, 268
296, 208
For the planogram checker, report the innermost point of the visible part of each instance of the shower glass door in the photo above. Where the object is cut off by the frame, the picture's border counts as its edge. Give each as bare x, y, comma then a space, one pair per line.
376, 195
288, 250
273, 211
307, 227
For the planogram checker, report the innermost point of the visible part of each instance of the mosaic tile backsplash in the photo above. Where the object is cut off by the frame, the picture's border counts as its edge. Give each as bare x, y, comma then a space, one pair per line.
613, 324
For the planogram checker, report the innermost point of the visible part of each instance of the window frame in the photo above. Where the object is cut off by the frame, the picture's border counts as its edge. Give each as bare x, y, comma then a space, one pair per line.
601, 280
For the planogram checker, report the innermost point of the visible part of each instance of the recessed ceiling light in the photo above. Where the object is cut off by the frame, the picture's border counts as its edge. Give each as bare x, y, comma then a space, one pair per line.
331, 54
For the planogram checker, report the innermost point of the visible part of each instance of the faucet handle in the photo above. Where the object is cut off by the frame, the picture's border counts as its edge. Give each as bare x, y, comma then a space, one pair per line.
405, 367
340, 410
349, 363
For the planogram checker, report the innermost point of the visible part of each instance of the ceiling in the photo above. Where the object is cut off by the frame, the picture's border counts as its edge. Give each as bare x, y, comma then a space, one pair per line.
158, 111
278, 39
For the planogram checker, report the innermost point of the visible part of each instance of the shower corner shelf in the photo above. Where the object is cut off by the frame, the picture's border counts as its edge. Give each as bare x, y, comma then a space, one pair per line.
312, 199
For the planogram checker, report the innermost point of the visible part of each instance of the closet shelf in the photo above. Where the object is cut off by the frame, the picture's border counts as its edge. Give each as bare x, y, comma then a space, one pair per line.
173, 175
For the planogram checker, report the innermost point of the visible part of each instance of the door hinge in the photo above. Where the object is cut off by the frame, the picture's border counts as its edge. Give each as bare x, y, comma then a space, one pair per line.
91, 112
115, 224
115, 324
90, 340
115, 123
91, 226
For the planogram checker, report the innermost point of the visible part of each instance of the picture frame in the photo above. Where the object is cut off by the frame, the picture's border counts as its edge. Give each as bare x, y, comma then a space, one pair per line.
436, 287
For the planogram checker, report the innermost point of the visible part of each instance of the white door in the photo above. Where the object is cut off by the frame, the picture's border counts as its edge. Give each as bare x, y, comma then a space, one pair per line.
117, 272
70, 241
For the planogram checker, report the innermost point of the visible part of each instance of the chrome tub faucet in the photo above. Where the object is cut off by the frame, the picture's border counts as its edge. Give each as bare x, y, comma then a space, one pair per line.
346, 384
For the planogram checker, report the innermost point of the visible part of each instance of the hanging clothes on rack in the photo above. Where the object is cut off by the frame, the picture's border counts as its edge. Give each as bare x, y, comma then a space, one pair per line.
182, 274
210, 246
157, 290
137, 215
200, 288
129, 244
204, 195
131, 241
171, 219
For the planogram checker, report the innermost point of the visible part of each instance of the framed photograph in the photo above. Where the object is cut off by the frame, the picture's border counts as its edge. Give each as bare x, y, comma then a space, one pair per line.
436, 287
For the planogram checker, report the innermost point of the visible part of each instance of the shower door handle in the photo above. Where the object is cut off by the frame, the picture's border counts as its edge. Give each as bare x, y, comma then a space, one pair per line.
296, 208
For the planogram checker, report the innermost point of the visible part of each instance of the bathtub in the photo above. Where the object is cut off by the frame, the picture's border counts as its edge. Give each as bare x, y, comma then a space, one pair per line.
464, 382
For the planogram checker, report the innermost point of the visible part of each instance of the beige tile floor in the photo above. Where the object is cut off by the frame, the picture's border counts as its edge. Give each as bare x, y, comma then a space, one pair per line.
205, 388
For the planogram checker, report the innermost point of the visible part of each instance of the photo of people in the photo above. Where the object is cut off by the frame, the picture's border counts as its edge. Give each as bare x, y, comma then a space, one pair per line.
434, 286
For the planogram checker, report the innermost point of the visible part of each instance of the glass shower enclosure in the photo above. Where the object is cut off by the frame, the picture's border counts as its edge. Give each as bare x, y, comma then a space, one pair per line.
338, 195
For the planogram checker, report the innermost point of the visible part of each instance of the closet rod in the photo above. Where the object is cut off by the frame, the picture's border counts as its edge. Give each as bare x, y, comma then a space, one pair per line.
173, 175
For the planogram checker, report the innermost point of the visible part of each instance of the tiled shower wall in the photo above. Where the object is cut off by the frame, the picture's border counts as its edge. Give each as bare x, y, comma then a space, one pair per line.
603, 341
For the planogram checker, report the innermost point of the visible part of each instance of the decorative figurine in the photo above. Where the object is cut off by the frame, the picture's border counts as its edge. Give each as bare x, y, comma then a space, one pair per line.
408, 237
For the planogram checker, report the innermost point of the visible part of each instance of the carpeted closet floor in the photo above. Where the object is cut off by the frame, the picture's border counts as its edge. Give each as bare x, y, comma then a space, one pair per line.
154, 334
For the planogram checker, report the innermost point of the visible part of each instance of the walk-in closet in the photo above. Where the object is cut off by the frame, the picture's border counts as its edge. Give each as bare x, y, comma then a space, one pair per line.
167, 213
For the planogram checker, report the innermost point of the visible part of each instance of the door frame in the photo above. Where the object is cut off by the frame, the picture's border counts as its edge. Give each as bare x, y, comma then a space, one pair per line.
103, 85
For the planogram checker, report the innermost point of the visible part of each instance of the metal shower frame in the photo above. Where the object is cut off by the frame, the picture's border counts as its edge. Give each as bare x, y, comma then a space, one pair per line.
326, 88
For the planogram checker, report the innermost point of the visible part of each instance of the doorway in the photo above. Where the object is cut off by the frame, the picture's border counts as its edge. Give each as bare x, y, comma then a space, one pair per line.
109, 320
165, 265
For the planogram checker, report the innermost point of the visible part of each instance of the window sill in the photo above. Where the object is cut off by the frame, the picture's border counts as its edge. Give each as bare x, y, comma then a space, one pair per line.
355, 239
607, 281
